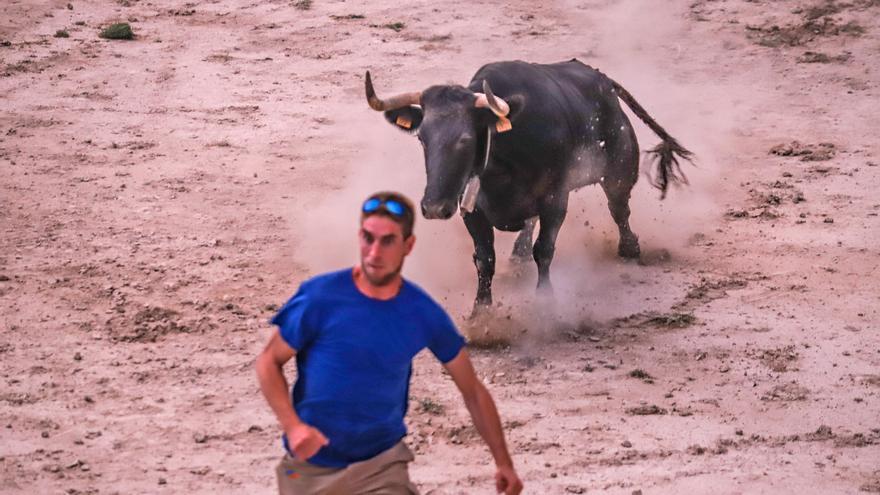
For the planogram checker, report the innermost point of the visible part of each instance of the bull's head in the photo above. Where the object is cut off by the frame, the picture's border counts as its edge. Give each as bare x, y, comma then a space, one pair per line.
451, 122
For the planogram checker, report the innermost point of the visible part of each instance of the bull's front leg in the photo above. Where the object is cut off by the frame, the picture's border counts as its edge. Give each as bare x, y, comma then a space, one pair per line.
551, 216
483, 235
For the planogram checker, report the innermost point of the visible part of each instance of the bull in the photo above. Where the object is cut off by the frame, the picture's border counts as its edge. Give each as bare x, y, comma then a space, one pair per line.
509, 148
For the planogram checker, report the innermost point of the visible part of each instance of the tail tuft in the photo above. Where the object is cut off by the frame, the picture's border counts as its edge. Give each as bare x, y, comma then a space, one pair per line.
666, 154
668, 170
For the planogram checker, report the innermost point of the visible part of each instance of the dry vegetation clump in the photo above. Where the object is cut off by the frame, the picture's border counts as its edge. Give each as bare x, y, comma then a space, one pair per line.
118, 31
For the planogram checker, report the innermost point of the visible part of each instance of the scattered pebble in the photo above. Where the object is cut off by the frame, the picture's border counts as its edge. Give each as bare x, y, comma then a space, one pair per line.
646, 410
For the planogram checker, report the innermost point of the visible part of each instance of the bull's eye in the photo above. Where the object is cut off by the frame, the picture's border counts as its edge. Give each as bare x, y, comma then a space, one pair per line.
464, 140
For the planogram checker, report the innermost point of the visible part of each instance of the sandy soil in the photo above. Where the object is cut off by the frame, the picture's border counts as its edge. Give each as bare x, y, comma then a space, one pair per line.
161, 197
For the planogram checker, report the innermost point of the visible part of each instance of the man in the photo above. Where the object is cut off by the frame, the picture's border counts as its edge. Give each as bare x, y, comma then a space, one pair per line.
354, 334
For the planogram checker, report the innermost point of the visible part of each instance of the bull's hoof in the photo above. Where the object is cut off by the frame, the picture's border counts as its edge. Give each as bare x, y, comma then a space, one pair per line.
480, 309
519, 258
629, 251
545, 290
522, 252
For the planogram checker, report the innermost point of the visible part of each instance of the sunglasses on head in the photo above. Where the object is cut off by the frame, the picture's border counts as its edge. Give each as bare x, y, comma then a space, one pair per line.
392, 206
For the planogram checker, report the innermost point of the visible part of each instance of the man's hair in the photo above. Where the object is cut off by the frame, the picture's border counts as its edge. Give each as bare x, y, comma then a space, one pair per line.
406, 221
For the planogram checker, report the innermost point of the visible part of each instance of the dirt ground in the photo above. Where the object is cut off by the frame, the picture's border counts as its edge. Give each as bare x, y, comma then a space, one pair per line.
160, 197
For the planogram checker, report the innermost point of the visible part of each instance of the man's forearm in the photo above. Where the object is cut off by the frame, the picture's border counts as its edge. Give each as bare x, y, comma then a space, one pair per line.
488, 423
274, 386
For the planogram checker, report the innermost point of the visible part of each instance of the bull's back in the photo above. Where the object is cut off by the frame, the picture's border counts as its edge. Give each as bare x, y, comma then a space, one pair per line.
567, 133
547, 86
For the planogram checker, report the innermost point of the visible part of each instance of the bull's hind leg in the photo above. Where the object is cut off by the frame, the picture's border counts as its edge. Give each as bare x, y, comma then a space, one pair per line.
618, 192
522, 247
483, 235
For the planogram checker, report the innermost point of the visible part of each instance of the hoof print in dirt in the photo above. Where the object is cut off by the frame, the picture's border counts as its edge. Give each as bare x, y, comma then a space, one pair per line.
808, 152
815, 23
672, 320
822, 58
789, 392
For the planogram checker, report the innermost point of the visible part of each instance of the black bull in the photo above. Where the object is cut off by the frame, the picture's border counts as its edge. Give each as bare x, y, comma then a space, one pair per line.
549, 129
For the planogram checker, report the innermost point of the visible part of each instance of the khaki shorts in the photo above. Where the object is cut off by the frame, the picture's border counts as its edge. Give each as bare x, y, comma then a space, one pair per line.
385, 474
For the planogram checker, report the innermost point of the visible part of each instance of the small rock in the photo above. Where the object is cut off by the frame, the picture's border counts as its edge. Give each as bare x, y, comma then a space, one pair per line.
44, 434
636, 492
646, 410
77, 357
738, 432
626, 444
828, 220
4, 278
89, 399
163, 481
200, 438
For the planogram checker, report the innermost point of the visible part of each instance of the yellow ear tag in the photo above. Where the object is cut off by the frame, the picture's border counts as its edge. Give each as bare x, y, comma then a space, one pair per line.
503, 125
403, 122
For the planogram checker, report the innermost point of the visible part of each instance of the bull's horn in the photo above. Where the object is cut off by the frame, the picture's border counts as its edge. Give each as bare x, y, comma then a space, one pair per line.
487, 99
392, 103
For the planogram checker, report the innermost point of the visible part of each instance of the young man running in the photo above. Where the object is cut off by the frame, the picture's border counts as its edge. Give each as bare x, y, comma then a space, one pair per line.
354, 334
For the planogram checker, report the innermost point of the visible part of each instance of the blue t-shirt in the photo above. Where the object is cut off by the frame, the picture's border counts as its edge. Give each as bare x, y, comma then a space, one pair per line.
354, 361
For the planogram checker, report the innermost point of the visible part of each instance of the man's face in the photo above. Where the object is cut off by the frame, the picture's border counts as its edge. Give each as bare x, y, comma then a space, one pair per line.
383, 249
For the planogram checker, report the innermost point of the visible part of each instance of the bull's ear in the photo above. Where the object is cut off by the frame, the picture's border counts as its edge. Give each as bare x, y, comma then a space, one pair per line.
407, 119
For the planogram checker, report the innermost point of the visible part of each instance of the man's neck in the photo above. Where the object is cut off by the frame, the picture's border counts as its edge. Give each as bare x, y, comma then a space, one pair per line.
381, 292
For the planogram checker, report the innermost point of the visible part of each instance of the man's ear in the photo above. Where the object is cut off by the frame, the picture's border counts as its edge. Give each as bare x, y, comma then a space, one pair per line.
506, 123
408, 243
407, 119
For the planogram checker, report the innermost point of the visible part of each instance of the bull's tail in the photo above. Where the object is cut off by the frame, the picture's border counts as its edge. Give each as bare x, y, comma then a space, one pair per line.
665, 154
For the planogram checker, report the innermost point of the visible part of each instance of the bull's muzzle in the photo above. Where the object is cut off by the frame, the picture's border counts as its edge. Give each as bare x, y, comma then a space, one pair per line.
441, 211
